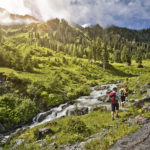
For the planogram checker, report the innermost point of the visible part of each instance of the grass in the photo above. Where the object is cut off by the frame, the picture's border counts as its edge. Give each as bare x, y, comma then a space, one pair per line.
82, 127
110, 138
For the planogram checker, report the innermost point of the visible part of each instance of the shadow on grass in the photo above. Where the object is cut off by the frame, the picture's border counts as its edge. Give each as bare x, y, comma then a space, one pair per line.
117, 72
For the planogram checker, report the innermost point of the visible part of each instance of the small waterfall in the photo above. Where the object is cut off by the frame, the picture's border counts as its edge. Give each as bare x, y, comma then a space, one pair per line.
85, 104
88, 102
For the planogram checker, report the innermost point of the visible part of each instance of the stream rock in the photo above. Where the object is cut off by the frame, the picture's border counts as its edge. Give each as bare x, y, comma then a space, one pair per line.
98, 88
104, 98
42, 116
135, 141
78, 111
5, 140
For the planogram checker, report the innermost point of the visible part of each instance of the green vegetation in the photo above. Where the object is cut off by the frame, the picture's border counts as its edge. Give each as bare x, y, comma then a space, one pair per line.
74, 129
50, 63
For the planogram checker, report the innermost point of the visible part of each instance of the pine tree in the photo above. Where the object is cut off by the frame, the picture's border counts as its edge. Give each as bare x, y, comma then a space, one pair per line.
139, 58
126, 55
105, 56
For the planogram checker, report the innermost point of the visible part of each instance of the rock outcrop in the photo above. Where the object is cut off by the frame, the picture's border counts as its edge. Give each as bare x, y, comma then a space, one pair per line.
78, 111
136, 141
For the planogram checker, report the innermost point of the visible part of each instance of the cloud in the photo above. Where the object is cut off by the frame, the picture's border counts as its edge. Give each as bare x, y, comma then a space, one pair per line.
10, 19
129, 13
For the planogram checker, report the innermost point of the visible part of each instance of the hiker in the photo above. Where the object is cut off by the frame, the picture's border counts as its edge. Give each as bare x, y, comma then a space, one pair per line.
126, 91
114, 96
122, 94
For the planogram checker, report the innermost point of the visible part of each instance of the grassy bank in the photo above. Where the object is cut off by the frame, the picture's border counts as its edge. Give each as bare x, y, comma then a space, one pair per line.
74, 129
52, 85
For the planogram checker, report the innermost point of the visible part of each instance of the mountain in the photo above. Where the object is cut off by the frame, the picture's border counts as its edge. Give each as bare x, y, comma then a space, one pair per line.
137, 35
7, 18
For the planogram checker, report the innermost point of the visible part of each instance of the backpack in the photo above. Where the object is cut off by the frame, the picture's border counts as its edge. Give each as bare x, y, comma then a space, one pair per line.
113, 98
121, 93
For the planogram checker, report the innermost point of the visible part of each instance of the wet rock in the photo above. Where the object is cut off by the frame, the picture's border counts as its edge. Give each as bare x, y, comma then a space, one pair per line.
42, 116
108, 91
98, 88
39, 133
16, 143
2, 140
135, 141
104, 98
12, 135
78, 111
2, 128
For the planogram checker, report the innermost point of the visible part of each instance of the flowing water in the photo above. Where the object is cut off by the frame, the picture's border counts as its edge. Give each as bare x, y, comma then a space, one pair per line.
89, 102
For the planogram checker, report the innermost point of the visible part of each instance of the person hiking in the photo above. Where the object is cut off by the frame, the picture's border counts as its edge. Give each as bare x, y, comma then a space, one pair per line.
126, 91
114, 97
122, 94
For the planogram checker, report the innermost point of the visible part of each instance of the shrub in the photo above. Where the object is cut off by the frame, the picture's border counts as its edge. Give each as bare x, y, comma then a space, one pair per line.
76, 126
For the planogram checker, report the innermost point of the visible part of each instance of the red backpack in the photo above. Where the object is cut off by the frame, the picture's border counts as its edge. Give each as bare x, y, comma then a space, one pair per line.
113, 98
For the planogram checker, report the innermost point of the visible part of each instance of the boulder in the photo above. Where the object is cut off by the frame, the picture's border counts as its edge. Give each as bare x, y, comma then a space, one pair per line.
108, 91
104, 98
42, 116
78, 111
140, 103
135, 141
42, 132
98, 88
140, 120
16, 143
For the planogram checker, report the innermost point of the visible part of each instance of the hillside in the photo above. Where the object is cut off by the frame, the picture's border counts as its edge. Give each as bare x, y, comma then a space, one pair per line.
49, 63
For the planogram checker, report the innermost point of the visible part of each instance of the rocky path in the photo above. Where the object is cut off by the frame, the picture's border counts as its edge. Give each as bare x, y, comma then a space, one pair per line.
139, 140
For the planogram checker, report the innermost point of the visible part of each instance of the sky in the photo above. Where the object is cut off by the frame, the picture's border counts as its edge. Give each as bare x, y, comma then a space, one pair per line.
133, 14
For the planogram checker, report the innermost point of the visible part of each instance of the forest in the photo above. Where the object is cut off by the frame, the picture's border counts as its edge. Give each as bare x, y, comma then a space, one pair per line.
49, 63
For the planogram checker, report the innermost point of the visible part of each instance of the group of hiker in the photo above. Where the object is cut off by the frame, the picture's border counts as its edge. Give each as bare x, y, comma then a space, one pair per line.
116, 98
